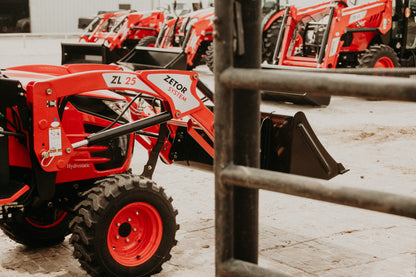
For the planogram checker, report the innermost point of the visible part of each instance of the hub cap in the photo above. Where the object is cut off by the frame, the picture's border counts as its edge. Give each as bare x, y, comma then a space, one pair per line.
135, 234
384, 62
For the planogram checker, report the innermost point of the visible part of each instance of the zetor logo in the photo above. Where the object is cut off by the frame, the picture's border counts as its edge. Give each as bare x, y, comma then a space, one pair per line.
176, 88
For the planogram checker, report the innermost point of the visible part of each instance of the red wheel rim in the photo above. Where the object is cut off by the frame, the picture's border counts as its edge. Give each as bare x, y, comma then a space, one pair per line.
384, 62
134, 234
45, 224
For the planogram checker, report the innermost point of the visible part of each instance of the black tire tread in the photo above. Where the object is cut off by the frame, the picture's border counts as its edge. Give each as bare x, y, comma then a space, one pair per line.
24, 233
89, 210
269, 40
375, 52
209, 57
146, 41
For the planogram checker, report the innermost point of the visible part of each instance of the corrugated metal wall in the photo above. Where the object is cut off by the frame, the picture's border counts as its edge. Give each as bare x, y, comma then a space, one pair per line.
61, 16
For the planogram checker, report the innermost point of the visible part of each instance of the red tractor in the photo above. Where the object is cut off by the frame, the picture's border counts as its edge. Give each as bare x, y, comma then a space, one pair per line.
190, 38
186, 41
111, 35
181, 43
340, 34
272, 12
66, 143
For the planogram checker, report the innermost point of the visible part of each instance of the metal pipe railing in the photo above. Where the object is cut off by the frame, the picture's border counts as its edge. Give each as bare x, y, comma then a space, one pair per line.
392, 88
236, 91
223, 56
319, 190
397, 72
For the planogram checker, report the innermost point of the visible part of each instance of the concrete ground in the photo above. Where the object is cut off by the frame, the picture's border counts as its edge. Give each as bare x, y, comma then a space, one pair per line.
374, 139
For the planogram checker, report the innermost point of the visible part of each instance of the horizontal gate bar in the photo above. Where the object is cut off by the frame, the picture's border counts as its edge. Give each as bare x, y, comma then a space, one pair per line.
397, 71
234, 267
392, 88
319, 190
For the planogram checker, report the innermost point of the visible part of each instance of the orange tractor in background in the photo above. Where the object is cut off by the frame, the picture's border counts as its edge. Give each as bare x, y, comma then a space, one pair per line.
111, 35
341, 34
181, 44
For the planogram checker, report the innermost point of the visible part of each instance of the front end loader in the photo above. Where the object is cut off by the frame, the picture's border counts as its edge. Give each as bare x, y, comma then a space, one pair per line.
349, 34
181, 44
66, 143
112, 35
186, 42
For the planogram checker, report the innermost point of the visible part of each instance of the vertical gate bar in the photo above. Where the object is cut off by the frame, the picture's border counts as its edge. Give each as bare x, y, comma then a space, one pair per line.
246, 126
223, 57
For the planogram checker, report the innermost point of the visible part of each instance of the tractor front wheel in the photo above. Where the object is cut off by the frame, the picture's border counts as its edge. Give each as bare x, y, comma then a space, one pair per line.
269, 40
378, 56
148, 41
126, 226
44, 226
209, 57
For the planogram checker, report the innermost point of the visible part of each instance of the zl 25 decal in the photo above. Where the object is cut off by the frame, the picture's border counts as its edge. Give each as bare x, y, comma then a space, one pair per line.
125, 80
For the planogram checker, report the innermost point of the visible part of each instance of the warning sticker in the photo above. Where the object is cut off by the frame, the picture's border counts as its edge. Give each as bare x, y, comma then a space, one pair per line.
55, 142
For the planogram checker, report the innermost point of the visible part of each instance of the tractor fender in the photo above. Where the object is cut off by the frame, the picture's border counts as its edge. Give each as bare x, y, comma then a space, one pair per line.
270, 18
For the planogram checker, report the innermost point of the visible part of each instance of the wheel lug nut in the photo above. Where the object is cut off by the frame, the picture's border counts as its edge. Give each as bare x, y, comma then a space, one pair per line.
127, 240
118, 224
117, 237
129, 219
134, 229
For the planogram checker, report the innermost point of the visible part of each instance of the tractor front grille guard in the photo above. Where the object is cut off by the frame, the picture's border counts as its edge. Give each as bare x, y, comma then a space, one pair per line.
238, 79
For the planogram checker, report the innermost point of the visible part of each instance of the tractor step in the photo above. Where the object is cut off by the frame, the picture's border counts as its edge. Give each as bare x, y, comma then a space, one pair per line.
300, 61
11, 193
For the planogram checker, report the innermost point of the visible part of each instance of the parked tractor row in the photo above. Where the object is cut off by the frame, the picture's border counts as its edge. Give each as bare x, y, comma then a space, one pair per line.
67, 132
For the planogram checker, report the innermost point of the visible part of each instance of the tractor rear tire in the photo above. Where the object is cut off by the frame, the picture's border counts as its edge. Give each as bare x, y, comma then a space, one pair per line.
126, 226
209, 57
148, 41
270, 39
49, 227
379, 56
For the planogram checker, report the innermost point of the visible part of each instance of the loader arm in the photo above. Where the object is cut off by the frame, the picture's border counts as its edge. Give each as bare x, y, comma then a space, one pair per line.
362, 21
177, 90
178, 129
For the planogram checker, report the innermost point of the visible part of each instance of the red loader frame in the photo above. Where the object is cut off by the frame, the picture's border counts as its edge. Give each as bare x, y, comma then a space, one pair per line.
66, 145
362, 22
180, 107
181, 43
113, 36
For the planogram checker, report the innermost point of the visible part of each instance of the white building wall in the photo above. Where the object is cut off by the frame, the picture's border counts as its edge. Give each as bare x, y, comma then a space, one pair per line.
61, 16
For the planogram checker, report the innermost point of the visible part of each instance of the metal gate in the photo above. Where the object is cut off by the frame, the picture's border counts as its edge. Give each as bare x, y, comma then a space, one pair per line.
238, 79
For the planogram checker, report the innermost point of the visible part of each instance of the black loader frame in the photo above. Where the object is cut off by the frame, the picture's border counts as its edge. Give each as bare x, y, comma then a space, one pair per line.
238, 79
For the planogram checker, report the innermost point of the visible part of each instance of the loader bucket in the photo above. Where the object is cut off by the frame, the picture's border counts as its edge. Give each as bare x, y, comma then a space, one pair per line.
154, 58
288, 144
89, 53
297, 98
